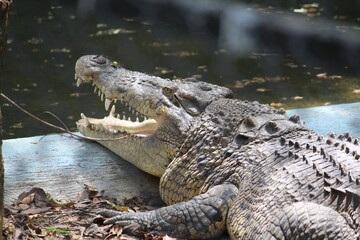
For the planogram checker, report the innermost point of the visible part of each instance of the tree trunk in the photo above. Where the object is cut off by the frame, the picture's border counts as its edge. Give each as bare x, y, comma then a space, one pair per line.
4, 8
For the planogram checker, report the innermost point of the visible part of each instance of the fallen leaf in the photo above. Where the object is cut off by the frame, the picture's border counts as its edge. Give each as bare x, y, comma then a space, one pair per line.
25, 198
33, 211
36, 195
60, 50
273, 104
261, 90
297, 98
181, 54
329, 77
112, 31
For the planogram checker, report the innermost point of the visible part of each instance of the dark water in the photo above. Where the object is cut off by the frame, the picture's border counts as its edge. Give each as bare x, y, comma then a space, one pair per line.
45, 38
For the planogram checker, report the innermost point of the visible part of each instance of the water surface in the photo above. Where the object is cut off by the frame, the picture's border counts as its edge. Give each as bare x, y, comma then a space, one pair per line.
45, 38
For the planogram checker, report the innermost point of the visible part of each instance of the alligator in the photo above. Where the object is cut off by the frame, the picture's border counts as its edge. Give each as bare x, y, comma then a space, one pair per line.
226, 165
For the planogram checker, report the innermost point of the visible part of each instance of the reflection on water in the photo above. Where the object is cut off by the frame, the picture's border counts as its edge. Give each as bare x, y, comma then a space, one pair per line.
45, 38
331, 9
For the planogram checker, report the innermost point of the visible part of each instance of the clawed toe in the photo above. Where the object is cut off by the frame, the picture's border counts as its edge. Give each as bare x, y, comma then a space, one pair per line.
108, 213
120, 218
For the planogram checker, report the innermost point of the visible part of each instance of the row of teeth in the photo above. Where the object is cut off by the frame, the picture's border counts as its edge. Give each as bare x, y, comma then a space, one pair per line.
114, 125
108, 102
112, 112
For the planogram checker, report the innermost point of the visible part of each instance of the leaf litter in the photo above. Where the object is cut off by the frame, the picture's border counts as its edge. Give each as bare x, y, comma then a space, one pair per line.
36, 215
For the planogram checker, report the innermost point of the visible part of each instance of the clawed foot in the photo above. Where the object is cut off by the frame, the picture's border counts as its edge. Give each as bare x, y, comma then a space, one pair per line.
132, 223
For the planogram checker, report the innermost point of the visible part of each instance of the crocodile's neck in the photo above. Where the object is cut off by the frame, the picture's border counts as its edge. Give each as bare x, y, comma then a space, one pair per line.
226, 129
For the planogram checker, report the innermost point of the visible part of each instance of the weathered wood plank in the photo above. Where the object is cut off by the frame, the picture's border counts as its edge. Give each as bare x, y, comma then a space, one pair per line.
61, 166
339, 118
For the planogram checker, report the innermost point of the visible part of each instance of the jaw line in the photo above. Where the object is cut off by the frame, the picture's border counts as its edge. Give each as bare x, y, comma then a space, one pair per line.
114, 127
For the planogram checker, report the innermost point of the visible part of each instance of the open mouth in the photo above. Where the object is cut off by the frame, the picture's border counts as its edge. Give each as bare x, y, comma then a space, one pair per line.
117, 123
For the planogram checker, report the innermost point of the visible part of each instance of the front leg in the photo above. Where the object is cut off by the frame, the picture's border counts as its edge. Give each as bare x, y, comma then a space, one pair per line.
203, 216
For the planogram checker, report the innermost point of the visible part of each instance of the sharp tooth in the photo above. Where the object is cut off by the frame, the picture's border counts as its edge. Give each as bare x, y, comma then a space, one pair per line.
95, 89
112, 111
137, 119
93, 84
124, 118
107, 102
78, 82
129, 119
145, 118
115, 131
115, 100
102, 97
99, 93
87, 122
118, 116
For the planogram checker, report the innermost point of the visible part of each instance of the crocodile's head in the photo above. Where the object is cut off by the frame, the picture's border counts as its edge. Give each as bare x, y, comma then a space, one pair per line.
165, 107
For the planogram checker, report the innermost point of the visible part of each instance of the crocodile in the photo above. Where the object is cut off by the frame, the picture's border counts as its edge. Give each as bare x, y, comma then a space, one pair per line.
226, 165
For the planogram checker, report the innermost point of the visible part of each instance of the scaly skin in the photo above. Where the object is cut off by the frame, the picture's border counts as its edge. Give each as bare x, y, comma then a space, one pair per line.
234, 166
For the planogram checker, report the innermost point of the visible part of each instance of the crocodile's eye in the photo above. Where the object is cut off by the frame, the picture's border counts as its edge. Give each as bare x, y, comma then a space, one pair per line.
115, 64
168, 91
205, 88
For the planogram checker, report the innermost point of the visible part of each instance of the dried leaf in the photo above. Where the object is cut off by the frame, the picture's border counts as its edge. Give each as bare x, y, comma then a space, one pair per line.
127, 237
328, 77
166, 237
273, 104
33, 211
25, 198
112, 31
36, 195
181, 54
297, 98
60, 50
261, 89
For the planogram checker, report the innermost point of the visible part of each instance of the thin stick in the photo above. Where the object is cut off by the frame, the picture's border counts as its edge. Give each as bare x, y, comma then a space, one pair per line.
57, 127
57, 118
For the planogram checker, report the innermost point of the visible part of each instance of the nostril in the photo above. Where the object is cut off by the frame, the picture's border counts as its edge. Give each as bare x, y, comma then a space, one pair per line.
98, 59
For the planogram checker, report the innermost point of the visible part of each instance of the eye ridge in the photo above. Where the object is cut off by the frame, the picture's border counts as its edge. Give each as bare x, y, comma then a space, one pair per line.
168, 91
205, 88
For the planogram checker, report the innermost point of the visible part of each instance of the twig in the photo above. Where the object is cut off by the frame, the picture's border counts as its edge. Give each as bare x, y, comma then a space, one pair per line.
57, 127
57, 118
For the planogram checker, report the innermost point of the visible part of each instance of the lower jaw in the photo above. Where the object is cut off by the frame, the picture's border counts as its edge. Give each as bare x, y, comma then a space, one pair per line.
113, 127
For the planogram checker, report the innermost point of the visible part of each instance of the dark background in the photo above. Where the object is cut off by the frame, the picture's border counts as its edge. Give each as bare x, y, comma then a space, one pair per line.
45, 38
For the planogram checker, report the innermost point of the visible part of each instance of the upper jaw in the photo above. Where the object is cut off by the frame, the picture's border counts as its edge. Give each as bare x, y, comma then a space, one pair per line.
149, 114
